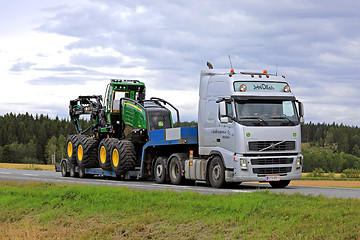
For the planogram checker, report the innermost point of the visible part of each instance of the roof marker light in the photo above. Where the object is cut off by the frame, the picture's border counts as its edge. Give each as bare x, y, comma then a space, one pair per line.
265, 71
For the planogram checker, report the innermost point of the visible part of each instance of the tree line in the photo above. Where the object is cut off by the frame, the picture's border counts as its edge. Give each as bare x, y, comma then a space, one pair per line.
26, 138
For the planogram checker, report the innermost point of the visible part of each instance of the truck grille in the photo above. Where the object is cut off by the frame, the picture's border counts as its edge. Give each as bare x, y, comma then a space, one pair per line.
275, 170
269, 146
271, 161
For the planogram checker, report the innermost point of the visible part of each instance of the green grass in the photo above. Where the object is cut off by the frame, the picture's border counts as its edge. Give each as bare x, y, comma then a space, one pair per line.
50, 211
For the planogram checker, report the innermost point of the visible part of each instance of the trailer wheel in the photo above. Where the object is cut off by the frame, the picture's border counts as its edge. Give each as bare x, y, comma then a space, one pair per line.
64, 171
81, 170
86, 153
280, 184
217, 172
73, 173
123, 157
160, 170
71, 146
175, 170
104, 152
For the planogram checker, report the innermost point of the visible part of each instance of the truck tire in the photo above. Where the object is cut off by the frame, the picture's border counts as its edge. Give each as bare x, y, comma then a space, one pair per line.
104, 152
86, 153
71, 146
160, 170
64, 171
123, 157
175, 169
280, 184
73, 173
216, 172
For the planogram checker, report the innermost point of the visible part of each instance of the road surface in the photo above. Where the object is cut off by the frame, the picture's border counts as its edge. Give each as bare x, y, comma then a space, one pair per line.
200, 187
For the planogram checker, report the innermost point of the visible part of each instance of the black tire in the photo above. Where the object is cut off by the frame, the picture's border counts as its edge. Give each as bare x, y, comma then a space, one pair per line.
71, 146
73, 173
86, 153
160, 170
216, 172
280, 184
104, 152
175, 169
123, 157
64, 171
81, 172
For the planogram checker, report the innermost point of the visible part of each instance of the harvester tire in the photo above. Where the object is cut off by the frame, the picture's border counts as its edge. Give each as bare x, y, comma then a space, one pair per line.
104, 152
71, 146
86, 153
123, 157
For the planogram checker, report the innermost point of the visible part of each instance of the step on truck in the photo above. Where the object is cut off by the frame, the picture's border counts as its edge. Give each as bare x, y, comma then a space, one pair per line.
248, 130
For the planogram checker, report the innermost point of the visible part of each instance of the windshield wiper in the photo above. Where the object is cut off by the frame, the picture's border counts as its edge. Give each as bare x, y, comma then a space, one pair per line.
255, 117
284, 117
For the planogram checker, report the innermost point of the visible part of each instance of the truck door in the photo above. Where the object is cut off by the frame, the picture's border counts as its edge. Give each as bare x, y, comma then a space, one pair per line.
226, 137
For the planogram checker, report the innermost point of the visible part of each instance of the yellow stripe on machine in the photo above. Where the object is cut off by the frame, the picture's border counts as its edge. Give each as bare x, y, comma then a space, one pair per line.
132, 105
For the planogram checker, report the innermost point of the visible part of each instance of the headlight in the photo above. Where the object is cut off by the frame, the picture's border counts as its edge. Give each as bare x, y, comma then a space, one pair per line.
243, 163
298, 162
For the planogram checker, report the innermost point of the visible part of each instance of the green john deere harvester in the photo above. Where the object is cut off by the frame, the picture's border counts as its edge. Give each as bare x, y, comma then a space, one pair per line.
119, 127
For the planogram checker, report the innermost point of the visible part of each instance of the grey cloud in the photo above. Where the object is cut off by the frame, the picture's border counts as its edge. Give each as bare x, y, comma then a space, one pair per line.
315, 43
62, 80
21, 66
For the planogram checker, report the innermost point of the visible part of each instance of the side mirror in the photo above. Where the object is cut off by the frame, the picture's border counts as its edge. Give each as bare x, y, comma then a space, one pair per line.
301, 109
222, 112
301, 112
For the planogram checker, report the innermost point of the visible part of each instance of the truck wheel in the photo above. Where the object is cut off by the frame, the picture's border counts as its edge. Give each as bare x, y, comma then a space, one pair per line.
71, 146
123, 157
64, 171
104, 152
280, 184
160, 170
175, 170
73, 173
217, 173
86, 153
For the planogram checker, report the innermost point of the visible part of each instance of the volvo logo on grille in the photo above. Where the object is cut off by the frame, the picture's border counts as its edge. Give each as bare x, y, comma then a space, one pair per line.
272, 146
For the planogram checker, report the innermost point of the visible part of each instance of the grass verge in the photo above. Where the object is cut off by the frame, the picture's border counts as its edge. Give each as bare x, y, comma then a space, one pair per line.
52, 211
27, 166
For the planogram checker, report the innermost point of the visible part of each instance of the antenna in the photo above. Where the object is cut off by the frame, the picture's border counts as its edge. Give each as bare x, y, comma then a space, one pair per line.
276, 70
232, 72
230, 62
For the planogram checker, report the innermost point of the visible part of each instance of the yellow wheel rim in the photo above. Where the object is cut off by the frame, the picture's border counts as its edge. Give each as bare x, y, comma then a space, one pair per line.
69, 149
80, 153
115, 157
102, 154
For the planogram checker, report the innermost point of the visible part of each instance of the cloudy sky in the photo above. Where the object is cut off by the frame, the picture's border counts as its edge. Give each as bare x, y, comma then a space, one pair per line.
54, 51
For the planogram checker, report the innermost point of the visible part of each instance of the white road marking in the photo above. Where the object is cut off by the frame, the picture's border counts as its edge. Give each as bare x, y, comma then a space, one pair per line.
5, 173
30, 174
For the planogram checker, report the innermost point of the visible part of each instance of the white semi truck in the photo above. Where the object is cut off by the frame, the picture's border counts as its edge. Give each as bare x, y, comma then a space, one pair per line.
248, 130
249, 124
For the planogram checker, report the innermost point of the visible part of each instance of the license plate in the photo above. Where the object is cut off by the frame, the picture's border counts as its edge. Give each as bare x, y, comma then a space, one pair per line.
272, 178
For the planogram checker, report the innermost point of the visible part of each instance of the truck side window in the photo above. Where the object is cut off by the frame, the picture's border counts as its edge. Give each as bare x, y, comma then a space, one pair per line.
229, 111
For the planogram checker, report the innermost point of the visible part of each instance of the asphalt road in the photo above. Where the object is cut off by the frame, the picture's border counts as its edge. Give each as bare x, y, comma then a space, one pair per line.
200, 187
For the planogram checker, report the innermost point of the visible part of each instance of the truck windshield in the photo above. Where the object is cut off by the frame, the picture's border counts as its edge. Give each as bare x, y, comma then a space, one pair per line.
266, 112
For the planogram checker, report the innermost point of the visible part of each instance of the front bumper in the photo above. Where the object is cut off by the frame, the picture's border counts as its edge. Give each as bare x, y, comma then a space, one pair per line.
258, 168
